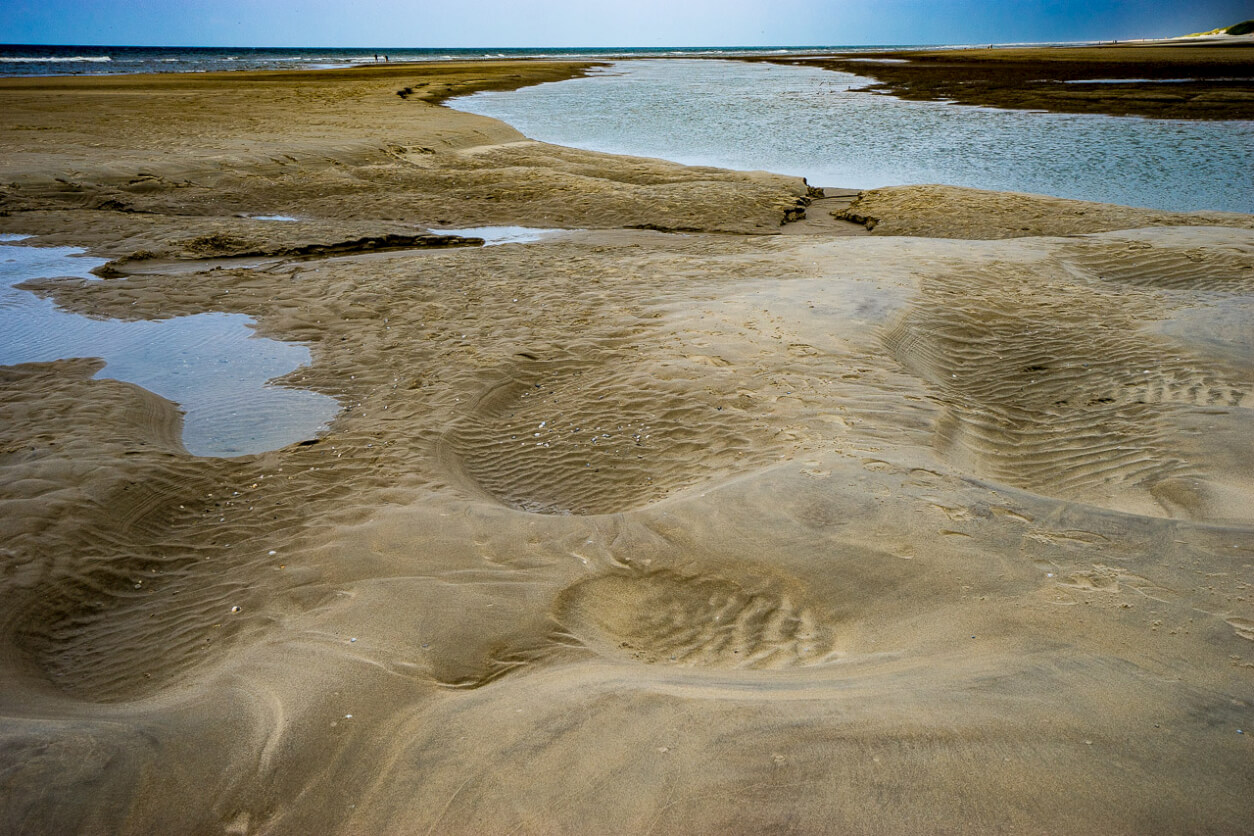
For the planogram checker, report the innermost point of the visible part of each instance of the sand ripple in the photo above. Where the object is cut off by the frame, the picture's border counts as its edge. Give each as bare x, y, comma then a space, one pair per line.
699, 621
589, 436
1051, 377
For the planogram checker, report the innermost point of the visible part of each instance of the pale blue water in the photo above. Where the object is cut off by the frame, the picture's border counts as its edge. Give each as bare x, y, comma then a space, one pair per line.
495, 235
810, 122
212, 364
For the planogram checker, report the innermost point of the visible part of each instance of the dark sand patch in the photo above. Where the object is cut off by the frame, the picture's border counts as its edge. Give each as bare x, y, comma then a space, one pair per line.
1164, 81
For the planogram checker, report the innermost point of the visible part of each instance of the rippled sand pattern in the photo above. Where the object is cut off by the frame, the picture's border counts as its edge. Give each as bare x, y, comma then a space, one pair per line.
669, 619
1198, 270
584, 437
1050, 376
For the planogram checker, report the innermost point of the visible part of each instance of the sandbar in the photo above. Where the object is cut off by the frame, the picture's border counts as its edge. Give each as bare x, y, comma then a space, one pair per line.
1207, 79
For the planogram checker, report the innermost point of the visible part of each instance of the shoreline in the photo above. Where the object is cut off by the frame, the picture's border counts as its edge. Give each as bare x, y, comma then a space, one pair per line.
1203, 80
1128, 78
673, 523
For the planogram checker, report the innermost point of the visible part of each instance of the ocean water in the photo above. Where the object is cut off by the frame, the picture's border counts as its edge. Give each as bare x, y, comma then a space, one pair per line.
814, 123
212, 364
20, 60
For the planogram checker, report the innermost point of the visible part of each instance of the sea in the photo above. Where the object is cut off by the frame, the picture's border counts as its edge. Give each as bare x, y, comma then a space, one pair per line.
26, 60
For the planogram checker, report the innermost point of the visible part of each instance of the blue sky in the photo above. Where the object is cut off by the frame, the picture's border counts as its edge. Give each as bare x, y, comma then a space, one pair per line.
453, 23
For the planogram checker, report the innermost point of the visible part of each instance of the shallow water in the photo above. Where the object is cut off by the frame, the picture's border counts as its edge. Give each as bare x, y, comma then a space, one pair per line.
493, 235
211, 364
810, 122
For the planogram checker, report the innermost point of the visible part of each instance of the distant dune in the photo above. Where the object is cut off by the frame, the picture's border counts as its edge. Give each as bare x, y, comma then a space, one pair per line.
1245, 27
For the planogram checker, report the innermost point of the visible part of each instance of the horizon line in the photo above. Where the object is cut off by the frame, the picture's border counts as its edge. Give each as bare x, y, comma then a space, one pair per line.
568, 47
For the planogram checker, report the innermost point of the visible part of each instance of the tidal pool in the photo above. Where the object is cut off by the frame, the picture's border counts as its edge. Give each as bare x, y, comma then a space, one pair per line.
212, 365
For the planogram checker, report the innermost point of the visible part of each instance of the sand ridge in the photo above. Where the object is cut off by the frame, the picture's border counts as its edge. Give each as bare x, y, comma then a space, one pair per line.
314, 146
936, 211
717, 531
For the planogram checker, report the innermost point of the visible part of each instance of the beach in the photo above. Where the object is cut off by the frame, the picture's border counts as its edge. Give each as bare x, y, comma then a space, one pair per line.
743, 505
1186, 78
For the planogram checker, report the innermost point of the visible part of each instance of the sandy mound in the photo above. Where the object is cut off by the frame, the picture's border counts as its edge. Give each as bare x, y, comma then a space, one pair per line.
294, 145
954, 212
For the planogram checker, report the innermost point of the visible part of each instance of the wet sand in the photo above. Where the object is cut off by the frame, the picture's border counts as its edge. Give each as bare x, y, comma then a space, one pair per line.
675, 524
1208, 79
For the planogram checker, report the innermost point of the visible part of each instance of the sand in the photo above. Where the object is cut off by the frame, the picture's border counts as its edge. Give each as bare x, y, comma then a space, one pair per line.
673, 524
1182, 79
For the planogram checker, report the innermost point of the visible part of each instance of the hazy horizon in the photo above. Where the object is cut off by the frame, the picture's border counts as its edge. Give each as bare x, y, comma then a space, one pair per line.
565, 24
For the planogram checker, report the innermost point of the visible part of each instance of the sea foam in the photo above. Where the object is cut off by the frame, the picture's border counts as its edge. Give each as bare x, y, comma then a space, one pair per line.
69, 59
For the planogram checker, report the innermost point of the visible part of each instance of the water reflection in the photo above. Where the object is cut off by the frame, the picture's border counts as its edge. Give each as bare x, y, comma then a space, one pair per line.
494, 235
810, 122
211, 364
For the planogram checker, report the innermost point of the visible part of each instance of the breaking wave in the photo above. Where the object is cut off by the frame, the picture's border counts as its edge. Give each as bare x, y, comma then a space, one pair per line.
69, 59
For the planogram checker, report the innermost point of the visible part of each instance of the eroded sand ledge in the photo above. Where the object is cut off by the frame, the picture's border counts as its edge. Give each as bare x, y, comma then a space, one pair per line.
627, 531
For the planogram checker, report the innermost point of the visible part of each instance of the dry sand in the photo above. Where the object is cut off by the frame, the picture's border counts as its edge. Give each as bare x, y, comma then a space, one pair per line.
721, 532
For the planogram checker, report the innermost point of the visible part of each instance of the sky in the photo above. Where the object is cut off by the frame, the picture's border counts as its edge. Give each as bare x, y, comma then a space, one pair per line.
567, 23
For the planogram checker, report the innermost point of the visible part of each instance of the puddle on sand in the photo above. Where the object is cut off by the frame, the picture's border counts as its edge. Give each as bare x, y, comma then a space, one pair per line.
493, 235
211, 364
